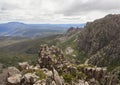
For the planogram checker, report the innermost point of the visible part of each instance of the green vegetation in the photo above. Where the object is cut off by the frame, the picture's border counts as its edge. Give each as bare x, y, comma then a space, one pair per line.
67, 77
80, 75
24, 51
28, 71
12, 59
72, 42
28, 50
39, 73
5, 41
113, 66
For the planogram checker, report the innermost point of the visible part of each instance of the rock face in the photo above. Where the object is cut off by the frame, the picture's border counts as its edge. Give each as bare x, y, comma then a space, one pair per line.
95, 72
99, 76
100, 40
50, 57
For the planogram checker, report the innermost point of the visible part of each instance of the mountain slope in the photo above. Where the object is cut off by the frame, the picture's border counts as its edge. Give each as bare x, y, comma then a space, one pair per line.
28, 49
100, 40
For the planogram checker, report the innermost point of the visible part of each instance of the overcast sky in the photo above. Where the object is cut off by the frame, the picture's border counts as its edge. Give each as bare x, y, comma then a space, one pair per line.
56, 11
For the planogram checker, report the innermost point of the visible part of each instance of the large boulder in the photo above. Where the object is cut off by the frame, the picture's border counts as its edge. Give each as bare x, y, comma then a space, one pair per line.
14, 79
13, 71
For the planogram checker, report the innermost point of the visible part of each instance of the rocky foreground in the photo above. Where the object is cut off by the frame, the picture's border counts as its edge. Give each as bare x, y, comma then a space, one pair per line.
52, 68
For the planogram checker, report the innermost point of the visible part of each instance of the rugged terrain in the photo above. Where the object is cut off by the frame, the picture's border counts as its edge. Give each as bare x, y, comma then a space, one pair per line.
100, 40
86, 56
54, 69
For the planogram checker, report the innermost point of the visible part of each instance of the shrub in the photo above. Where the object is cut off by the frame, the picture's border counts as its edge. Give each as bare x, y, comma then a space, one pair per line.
81, 67
41, 74
80, 75
67, 77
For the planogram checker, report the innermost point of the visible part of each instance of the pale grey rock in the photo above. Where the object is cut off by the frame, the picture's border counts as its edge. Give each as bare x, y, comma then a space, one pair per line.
23, 66
14, 79
13, 71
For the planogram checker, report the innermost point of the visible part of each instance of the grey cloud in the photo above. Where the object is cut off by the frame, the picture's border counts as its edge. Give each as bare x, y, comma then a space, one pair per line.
94, 5
7, 6
56, 11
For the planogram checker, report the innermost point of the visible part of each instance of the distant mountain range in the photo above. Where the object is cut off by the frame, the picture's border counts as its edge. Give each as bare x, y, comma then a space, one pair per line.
34, 30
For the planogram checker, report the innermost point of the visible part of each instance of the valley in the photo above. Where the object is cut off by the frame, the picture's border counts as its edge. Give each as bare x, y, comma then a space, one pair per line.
86, 55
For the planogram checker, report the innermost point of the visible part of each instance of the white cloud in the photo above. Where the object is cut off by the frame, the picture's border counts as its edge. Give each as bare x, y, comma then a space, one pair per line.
56, 11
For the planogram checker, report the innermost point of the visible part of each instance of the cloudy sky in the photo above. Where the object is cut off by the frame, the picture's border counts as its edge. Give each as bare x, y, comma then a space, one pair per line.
56, 11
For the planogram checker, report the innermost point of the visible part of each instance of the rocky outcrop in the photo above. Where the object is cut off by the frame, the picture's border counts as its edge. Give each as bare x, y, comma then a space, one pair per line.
53, 69
95, 72
99, 76
32, 76
50, 57
100, 40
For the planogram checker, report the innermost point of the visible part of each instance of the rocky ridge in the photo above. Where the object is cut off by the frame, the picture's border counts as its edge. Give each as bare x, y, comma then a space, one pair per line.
100, 40
53, 69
